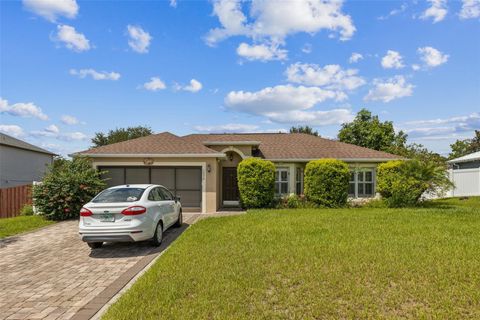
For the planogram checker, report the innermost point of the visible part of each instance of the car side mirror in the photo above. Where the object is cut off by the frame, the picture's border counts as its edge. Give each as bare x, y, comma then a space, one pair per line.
177, 199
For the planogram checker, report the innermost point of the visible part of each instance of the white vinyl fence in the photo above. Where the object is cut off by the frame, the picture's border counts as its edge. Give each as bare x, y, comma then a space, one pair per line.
467, 182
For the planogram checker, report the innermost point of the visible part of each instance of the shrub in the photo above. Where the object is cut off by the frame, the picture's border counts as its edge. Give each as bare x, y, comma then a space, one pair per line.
27, 210
326, 182
256, 182
67, 186
387, 173
402, 183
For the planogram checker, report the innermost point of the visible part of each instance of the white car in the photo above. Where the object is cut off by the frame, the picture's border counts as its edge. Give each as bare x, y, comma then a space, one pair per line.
134, 212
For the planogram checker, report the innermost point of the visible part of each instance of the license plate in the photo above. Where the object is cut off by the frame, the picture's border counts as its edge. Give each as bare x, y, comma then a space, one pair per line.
107, 218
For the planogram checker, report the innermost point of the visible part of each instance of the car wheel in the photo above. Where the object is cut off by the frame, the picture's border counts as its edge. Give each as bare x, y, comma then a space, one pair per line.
95, 245
179, 222
158, 235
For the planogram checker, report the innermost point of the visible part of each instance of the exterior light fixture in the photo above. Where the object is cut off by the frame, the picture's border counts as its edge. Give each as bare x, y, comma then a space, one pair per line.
209, 168
230, 156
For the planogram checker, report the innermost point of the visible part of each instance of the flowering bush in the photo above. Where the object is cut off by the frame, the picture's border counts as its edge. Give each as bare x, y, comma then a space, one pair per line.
67, 186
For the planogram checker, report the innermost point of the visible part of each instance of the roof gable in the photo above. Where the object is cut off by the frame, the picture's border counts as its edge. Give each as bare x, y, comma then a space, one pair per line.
298, 146
163, 143
7, 140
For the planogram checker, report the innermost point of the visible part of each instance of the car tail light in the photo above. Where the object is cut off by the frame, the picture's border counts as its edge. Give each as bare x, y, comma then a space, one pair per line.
84, 212
132, 211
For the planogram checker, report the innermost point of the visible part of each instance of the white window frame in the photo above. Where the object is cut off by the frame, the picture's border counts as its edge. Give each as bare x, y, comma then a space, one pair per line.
281, 182
356, 182
297, 181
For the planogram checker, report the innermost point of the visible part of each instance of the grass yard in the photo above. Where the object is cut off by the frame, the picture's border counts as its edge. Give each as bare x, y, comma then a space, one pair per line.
318, 264
13, 226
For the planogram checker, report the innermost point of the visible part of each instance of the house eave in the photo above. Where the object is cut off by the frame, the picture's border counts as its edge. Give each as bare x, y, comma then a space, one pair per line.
231, 143
343, 159
150, 155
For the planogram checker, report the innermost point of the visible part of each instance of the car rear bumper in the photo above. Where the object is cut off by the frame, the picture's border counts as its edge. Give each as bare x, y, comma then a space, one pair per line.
87, 235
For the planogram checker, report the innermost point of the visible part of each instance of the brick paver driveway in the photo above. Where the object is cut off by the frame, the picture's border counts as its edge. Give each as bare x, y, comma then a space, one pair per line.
51, 274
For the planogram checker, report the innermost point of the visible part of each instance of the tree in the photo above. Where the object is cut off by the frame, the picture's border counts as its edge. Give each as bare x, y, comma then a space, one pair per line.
463, 147
120, 134
369, 132
419, 152
302, 129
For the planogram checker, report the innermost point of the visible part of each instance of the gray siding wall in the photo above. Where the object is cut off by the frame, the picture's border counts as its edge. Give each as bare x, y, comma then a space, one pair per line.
19, 166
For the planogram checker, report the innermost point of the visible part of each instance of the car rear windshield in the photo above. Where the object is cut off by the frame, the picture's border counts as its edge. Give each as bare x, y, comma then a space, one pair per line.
119, 195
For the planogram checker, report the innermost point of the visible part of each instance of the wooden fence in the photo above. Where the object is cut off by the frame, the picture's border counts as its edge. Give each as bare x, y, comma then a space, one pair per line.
13, 199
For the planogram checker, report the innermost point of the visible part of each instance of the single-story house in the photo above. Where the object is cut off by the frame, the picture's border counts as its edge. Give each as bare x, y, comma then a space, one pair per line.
21, 162
201, 168
465, 174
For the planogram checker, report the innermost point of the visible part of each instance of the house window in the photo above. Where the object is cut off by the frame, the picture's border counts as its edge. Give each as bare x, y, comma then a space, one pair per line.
361, 183
299, 181
281, 181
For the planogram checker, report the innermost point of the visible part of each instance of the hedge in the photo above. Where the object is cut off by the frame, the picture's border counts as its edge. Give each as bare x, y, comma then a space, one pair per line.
326, 182
256, 182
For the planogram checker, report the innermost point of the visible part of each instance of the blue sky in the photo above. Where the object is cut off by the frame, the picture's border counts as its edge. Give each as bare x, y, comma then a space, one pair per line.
71, 68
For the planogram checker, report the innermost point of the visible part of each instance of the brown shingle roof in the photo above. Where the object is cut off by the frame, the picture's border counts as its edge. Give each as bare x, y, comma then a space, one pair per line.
278, 146
163, 143
273, 146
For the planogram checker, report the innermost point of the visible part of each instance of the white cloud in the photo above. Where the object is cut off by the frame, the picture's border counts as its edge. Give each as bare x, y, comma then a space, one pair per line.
70, 120
193, 87
314, 118
262, 52
72, 39
307, 48
139, 39
96, 75
394, 12
355, 57
280, 98
390, 89
440, 127
227, 128
330, 76
12, 130
154, 84
432, 57
437, 11
392, 59
52, 9
289, 104
272, 21
173, 3
21, 109
52, 131
70, 136
470, 9
415, 67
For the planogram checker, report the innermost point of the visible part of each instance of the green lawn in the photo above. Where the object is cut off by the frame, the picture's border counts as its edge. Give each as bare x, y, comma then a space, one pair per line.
317, 264
13, 226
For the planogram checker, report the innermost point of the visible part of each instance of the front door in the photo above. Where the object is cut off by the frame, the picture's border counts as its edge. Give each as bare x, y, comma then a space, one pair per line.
230, 186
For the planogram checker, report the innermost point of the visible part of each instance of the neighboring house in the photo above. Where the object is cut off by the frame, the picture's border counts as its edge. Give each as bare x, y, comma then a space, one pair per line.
21, 162
465, 174
201, 168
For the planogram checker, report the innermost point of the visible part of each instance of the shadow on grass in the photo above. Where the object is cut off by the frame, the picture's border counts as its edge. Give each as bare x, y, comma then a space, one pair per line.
135, 249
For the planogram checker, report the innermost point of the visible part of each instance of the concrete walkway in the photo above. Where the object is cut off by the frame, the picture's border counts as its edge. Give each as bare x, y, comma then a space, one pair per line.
51, 274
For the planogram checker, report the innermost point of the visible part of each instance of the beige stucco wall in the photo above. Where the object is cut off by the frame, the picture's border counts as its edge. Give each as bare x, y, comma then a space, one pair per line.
209, 179
212, 181
242, 150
